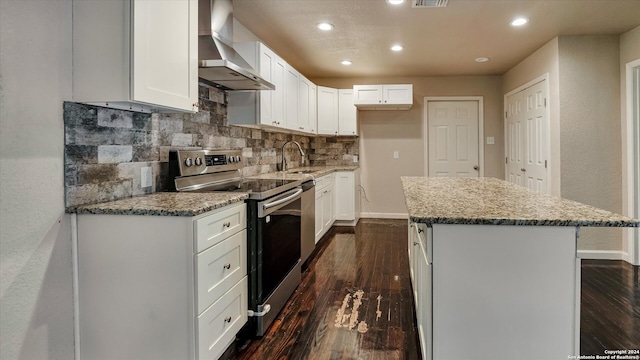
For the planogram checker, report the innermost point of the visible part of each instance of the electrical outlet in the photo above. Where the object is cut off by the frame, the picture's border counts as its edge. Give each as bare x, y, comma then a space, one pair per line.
145, 176
355, 158
490, 140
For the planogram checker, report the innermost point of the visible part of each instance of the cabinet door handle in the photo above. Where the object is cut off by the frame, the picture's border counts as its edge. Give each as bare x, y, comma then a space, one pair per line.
415, 243
523, 170
420, 230
227, 266
227, 319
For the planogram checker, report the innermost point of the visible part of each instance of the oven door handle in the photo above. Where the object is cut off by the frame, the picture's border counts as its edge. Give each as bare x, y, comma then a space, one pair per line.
281, 201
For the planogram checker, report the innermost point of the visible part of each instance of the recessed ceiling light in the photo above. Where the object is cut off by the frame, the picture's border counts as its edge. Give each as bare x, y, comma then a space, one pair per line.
397, 47
395, 2
519, 21
325, 26
482, 59
346, 62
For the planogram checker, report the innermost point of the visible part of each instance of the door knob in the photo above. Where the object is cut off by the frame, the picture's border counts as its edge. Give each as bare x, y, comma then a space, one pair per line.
476, 168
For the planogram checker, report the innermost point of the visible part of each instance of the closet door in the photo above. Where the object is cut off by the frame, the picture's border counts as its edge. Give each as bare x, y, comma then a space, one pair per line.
527, 137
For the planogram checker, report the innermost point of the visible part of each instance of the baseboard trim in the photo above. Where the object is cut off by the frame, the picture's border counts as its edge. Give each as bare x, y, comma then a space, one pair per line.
601, 254
375, 215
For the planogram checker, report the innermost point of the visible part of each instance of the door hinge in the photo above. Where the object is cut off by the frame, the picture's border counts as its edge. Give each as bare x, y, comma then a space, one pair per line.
545, 102
545, 164
505, 114
506, 160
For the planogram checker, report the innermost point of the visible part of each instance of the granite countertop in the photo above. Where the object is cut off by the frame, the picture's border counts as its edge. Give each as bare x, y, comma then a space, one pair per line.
192, 204
310, 172
163, 203
492, 201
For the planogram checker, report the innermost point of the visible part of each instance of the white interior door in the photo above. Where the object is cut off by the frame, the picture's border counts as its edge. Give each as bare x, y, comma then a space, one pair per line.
515, 133
536, 138
527, 137
453, 138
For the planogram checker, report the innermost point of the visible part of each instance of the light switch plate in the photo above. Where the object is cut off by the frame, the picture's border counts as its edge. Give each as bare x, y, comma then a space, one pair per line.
355, 158
490, 140
145, 176
396, 154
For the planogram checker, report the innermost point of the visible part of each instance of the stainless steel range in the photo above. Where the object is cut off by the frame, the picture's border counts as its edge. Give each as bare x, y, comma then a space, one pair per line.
273, 225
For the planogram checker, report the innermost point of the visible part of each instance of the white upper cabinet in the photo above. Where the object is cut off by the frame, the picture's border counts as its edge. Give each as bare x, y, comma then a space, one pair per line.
313, 109
306, 106
291, 106
136, 55
336, 113
291, 87
347, 113
327, 111
263, 107
383, 97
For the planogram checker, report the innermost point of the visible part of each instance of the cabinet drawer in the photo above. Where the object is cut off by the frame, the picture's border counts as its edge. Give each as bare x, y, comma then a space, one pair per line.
219, 268
213, 228
323, 181
218, 325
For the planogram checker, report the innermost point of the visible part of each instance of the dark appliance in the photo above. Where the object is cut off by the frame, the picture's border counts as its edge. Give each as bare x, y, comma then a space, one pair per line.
273, 225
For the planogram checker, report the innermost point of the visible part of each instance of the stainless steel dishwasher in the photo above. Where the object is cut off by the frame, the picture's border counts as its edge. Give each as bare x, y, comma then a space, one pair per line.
308, 221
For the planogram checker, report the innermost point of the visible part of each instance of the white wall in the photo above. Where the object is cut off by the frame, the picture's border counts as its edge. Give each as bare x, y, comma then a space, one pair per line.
585, 126
542, 61
383, 132
629, 51
590, 131
36, 315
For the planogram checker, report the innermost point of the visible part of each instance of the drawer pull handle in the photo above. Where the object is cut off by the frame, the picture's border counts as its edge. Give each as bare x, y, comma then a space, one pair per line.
227, 266
420, 230
227, 224
227, 319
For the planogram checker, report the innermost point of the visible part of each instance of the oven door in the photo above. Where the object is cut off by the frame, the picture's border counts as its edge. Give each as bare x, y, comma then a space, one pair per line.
274, 256
279, 231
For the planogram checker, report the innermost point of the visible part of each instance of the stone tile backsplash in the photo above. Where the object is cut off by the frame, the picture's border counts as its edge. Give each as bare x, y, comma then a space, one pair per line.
106, 149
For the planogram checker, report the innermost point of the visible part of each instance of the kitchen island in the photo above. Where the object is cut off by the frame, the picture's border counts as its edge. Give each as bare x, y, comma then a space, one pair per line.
494, 268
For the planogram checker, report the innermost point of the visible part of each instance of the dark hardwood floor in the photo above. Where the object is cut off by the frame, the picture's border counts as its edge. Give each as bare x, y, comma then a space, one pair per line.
610, 308
355, 302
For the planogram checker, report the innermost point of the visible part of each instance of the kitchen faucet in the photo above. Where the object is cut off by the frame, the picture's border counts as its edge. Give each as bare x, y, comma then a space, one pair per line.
283, 166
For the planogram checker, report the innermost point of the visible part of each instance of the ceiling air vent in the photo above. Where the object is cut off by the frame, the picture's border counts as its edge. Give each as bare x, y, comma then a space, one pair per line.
429, 3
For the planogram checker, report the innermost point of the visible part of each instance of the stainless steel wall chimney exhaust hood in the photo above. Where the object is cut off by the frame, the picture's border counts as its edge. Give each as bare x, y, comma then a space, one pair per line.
219, 64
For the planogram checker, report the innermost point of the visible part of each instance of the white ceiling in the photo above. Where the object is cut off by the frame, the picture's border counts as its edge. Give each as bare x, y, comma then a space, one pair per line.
437, 41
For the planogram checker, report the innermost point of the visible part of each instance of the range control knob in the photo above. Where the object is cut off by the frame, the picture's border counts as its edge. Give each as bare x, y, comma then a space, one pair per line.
238, 159
188, 162
198, 161
231, 159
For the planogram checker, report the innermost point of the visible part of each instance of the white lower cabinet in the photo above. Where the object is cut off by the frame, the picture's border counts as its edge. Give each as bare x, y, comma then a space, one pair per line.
346, 196
421, 280
161, 287
476, 286
325, 215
